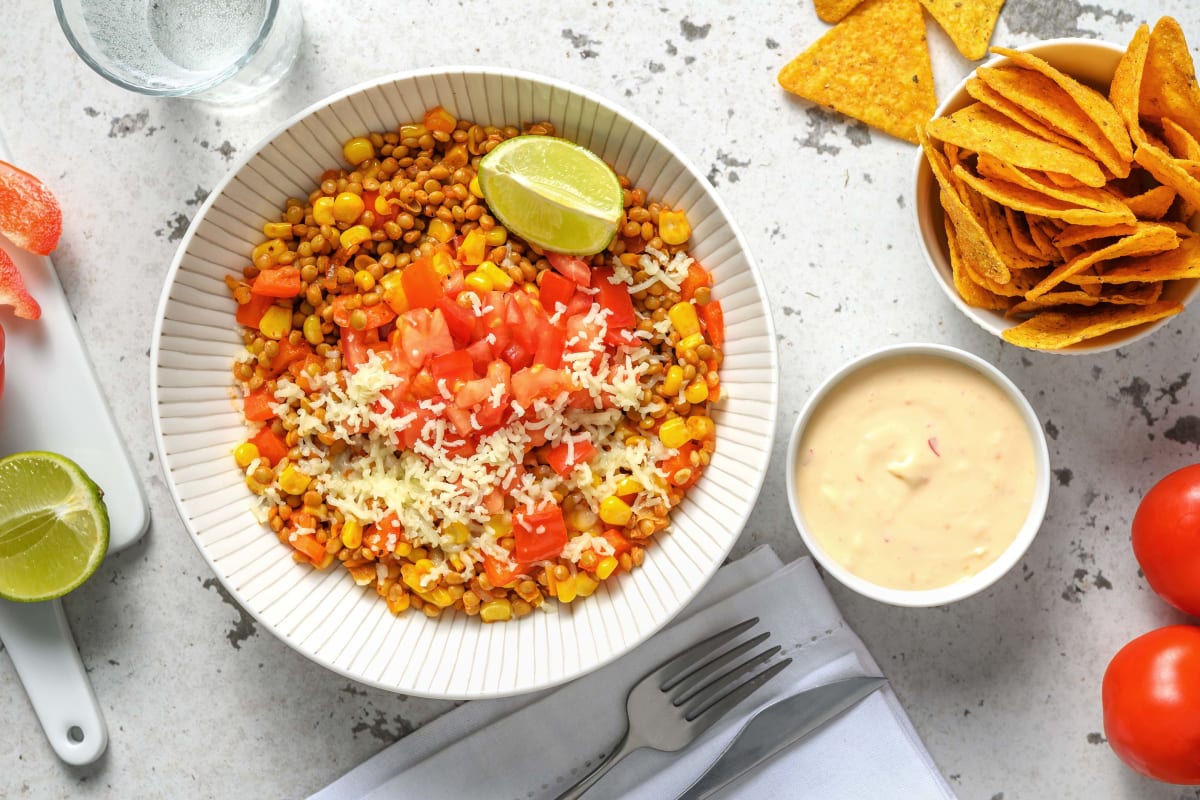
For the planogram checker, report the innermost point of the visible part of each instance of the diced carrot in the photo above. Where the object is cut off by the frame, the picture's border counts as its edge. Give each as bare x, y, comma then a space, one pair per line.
277, 282
271, 445
697, 276
714, 323
251, 313
257, 405
307, 544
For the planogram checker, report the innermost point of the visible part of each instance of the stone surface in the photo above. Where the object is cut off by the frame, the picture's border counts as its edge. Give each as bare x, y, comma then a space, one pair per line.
1004, 688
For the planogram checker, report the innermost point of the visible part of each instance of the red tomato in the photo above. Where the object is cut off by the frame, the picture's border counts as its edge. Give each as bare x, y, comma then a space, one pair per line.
381, 219
452, 367
615, 299
29, 215
555, 290
540, 535
376, 316
270, 445
256, 406
1166, 538
563, 458
422, 284
572, 267
1151, 696
501, 574
250, 314
533, 382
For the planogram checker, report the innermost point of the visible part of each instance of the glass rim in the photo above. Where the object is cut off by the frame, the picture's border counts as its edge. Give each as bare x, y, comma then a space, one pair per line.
195, 89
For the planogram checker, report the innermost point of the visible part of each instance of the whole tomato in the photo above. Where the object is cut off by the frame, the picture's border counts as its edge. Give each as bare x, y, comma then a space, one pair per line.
1152, 704
1166, 538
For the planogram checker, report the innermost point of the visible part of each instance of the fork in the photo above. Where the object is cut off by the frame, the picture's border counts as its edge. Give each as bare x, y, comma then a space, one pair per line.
681, 699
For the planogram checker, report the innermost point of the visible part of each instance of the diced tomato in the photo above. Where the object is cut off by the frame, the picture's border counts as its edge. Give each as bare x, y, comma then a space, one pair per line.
270, 445
256, 406
579, 305
580, 335
517, 356
376, 316
714, 323
459, 319
381, 219
537, 381
423, 386
421, 335
697, 276
555, 290
571, 267
376, 537
289, 353
621, 336
552, 341
29, 214
422, 284
277, 282
408, 436
563, 457
618, 541
681, 460
460, 420
249, 314
307, 544
354, 348
479, 391
540, 535
452, 367
481, 355
615, 299
494, 502
454, 283
634, 244
502, 575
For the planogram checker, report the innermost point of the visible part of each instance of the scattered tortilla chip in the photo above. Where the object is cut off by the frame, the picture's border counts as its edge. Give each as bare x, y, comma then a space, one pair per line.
968, 289
983, 130
1050, 103
1181, 143
969, 25
873, 66
1022, 199
1148, 239
1084, 196
1078, 234
1125, 90
832, 11
1054, 330
994, 100
1168, 86
1182, 263
1091, 102
1152, 203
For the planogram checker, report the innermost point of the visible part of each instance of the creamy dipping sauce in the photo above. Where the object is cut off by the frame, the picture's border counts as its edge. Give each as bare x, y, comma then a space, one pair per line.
915, 472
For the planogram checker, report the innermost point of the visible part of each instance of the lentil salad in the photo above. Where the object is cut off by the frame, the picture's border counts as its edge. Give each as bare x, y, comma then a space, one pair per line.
458, 418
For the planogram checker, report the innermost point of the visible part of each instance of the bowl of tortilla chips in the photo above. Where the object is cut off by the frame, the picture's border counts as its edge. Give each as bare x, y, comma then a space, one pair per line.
1055, 188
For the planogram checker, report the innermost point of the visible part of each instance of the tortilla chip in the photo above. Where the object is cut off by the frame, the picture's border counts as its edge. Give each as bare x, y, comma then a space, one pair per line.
832, 11
1020, 284
1182, 263
1148, 239
1019, 230
1085, 196
1022, 199
1043, 236
1054, 330
974, 245
1125, 90
1139, 295
1050, 103
1168, 86
873, 66
1181, 143
996, 223
968, 289
1078, 234
969, 25
1064, 181
984, 130
1092, 103
1152, 203
1158, 162
993, 99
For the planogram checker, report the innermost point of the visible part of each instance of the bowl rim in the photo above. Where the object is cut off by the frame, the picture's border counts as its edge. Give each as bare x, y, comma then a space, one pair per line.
928, 230
771, 396
1011, 554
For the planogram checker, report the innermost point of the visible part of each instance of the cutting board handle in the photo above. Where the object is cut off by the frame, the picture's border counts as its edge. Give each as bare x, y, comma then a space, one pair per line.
39, 641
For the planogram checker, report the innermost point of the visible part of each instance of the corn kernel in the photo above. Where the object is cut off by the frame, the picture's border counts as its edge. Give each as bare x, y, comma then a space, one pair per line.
356, 235
358, 150
413, 131
352, 533
566, 591
500, 525
398, 604
312, 330
700, 428
276, 323
473, 187
470, 252
393, 291
628, 486
615, 511
440, 597
673, 226
684, 319
325, 561
585, 584
323, 211
496, 611
674, 433
440, 229
293, 481
443, 263
673, 381
497, 236
255, 486
348, 207
690, 342
479, 282
244, 454
500, 279
403, 549
696, 392
277, 230
457, 531
607, 566
274, 247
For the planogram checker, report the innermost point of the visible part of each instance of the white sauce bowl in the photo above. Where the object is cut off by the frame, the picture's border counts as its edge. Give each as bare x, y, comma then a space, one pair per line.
1011, 554
1088, 61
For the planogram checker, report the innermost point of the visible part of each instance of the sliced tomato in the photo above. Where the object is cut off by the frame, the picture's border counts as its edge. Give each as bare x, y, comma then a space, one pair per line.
615, 299
555, 290
501, 574
29, 214
375, 537
563, 457
539, 535
271, 446
422, 284
256, 406
248, 314
453, 367
573, 267
376, 316
13, 292
533, 382
459, 319
714, 323
277, 282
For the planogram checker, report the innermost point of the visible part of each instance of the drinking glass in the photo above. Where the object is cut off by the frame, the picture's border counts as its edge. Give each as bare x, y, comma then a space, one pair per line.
220, 51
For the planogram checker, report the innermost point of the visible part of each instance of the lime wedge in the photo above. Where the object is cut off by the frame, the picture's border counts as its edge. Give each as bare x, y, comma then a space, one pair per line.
53, 526
552, 193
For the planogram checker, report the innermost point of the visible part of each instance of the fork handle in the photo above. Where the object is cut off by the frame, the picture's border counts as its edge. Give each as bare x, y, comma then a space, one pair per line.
627, 746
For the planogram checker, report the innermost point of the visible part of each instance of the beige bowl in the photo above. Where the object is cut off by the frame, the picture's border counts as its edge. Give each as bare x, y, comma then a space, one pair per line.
1086, 60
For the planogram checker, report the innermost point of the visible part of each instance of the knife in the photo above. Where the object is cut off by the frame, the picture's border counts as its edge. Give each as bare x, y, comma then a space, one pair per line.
777, 727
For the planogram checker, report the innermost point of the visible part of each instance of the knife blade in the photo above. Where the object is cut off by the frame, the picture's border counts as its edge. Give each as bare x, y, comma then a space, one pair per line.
777, 727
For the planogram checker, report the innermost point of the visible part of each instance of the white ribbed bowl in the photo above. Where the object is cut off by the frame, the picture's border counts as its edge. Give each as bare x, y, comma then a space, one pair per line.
324, 615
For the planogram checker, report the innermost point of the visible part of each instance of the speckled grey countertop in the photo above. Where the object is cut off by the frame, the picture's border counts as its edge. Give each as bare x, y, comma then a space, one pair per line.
1004, 688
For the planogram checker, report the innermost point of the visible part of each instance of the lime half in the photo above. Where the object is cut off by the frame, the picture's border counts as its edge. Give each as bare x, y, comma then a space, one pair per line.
53, 526
552, 193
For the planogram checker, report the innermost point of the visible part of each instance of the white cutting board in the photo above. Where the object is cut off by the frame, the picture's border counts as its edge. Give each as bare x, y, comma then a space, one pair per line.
51, 401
